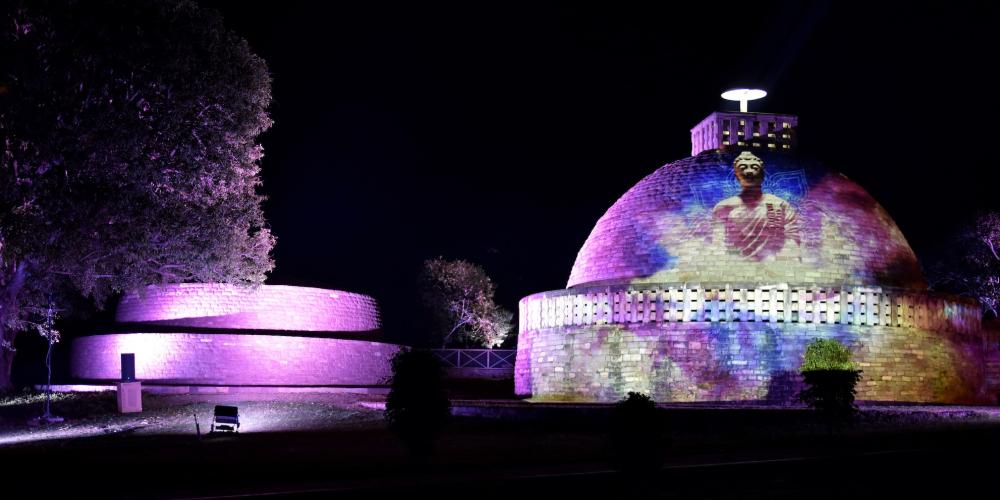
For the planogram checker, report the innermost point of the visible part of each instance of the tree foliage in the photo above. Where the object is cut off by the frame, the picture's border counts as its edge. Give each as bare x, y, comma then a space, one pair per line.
830, 379
827, 354
130, 157
459, 296
973, 266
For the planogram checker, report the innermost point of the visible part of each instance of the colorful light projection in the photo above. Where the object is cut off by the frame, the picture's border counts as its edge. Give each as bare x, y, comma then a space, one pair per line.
777, 221
695, 343
706, 281
758, 225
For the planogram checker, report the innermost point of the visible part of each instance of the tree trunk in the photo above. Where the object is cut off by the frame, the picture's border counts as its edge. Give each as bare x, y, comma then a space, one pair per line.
6, 362
12, 284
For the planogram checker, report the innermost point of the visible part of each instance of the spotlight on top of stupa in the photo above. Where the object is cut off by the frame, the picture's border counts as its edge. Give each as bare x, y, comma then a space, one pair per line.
732, 130
743, 96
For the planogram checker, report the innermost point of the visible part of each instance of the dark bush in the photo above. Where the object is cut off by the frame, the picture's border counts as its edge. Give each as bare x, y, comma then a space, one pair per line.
636, 437
830, 379
831, 391
417, 407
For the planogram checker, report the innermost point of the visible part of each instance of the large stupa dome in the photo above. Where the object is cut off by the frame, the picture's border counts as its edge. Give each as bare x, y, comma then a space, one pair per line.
670, 228
707, 280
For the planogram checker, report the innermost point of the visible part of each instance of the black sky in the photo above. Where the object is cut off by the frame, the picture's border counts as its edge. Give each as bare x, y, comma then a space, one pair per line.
499, 133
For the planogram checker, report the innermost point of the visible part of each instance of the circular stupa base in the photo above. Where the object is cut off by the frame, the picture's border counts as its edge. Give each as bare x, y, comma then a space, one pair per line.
688, 343
225, 335
234, 359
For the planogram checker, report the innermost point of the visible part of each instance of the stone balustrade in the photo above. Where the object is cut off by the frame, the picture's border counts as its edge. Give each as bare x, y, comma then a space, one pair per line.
667, 303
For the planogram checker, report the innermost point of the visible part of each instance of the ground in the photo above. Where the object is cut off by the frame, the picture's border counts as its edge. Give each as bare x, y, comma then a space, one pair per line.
94, 414
317, 445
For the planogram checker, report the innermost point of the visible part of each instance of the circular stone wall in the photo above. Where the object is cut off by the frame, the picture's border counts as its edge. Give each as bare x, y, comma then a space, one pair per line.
226, 359
266, 307
718, 343
216, 334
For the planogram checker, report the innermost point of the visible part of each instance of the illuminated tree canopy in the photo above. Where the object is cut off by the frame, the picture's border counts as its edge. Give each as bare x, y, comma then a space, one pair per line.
459, 296
130, 155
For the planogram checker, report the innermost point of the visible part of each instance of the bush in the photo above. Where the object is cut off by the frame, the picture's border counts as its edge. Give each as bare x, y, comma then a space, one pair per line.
417, 407
827, 354
636, 434
830, 379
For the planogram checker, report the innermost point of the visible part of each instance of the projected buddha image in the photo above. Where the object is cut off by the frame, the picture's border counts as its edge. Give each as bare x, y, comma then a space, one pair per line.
754, 224
708, 279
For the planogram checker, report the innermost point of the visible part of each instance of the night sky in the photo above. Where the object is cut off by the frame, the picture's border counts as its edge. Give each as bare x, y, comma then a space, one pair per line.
501, 133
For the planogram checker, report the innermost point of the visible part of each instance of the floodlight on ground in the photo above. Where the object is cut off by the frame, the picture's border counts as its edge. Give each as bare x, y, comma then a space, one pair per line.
226, 419
743, 96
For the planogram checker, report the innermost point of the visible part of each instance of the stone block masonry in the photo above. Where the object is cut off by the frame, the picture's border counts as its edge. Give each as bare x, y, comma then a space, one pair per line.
675, 226
697, 344
741, 362
707, 280
267, 307
198, 338
227, 359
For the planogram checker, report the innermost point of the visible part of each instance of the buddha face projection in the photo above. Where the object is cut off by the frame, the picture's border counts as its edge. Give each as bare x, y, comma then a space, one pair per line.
754, 224
749, 169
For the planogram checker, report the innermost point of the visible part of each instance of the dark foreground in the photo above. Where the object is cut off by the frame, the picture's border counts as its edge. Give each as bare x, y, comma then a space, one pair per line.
324, 466
736, 453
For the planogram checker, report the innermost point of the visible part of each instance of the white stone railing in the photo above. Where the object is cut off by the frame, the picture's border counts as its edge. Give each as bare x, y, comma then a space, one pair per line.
666, 303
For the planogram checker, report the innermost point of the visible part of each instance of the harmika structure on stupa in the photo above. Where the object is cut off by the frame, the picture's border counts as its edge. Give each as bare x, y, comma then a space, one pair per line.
707, 279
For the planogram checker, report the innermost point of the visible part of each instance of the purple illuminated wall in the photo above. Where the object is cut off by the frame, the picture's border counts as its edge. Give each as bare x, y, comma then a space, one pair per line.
194, 337
227, 359
267, 307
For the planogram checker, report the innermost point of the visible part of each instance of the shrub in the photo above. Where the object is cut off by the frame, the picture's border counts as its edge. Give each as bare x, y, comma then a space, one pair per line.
830, 379
827, 354
417, 407
636, 434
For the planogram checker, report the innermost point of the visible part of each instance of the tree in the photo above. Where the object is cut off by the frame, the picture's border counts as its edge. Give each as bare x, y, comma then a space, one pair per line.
417, 407
974, 269
830, 377
459, 296
636, 434
130, 157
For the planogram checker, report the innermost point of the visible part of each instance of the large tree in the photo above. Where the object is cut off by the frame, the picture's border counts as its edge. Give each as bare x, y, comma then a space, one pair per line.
130, 156
459, 297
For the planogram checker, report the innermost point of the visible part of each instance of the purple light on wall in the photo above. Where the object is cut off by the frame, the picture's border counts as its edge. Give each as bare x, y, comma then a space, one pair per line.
299, 356
267, 307
234, 359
